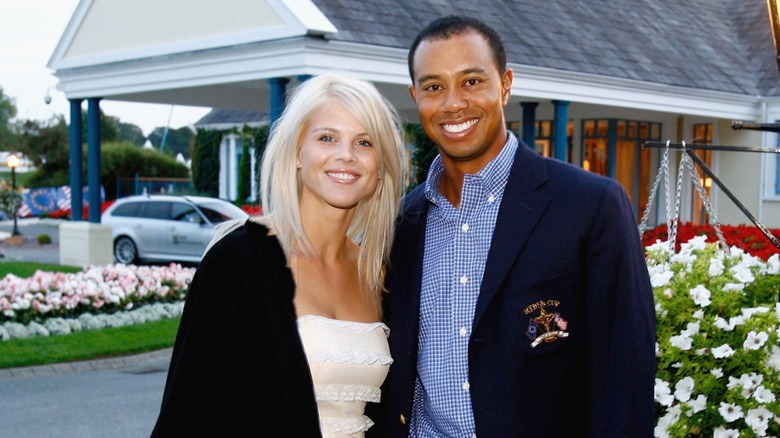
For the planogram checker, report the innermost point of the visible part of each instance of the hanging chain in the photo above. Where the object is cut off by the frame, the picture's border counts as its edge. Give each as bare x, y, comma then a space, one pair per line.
707, 205
662, 169
672, 229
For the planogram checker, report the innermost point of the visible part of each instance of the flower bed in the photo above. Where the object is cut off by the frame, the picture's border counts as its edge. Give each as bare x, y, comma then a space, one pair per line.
748, 238
26, 304
718, 355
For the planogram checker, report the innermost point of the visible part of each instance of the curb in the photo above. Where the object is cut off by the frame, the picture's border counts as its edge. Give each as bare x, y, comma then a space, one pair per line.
88, 365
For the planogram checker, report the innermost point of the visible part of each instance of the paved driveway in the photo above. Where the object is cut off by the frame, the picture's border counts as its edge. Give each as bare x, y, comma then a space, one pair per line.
117, 398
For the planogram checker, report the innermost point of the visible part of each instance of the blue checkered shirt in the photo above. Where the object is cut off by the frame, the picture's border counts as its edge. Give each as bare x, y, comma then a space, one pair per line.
457, 241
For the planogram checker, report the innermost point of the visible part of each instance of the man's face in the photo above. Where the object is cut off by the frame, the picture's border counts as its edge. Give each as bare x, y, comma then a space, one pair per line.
460, 96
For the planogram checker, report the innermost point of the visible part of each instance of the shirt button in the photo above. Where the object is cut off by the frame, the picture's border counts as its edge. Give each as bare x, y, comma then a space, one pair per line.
491, 199
464, 227
463, 331
466, 386
463, 280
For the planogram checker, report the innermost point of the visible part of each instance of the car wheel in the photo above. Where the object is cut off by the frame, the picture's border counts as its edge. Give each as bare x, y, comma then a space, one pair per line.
125, 251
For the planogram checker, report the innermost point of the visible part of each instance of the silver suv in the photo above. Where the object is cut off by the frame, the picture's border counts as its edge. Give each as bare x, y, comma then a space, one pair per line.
165, 228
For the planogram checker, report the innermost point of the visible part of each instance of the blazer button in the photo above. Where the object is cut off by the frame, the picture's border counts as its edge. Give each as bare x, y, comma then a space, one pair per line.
403, 419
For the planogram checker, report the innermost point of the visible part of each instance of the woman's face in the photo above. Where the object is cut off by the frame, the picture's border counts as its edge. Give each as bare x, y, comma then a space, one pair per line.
339, 164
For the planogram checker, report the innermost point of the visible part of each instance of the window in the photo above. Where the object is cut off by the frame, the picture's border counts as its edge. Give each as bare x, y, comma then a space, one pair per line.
702, 134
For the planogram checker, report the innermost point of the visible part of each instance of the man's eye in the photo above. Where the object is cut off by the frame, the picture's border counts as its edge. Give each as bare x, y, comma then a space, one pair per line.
472, 82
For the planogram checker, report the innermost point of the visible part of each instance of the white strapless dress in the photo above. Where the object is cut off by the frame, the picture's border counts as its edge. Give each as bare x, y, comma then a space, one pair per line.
349, 361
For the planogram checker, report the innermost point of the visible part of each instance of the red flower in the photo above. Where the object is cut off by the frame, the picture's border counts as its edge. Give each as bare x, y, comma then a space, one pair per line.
748, 238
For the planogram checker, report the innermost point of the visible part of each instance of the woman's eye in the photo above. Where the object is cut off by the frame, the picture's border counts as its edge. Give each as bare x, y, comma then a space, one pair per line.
364, 143
327, 138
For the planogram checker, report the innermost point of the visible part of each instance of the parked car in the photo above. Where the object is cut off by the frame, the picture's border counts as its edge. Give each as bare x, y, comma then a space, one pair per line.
165, 228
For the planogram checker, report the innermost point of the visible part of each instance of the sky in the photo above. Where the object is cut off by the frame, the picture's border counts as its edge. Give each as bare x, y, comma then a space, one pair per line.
29, 33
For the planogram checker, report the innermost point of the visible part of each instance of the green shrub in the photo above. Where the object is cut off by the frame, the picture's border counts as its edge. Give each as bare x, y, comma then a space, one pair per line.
43, 239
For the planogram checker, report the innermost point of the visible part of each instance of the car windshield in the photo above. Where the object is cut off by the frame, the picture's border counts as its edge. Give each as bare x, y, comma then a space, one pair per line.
217, 212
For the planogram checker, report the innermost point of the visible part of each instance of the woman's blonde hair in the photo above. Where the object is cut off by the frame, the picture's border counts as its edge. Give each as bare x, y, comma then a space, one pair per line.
373, 224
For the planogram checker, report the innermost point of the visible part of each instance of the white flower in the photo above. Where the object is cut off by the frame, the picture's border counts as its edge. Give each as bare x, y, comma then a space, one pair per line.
697, 405
683, 389
755, 340
663, 393
682, 341
723, 324
722, 432
716, 267
742, 273
717, 372
699, 314
773, 362
723, 351
758, 420
658, 279
701, 296
763, 395
730, 412
773, 265
671, 417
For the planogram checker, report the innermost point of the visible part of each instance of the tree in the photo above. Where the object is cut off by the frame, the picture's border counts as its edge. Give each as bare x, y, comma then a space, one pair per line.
205, 162
423, 153
244, 175
177, 141
47, 146
9, 139
131, 133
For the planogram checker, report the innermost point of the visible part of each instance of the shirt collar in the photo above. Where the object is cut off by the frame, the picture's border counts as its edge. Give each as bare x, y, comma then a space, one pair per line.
493, 175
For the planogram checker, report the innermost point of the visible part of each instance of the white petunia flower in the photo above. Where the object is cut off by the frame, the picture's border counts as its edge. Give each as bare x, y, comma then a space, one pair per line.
773, 265
717, 372
734, 287
723, 351
724, 325
754, 340
758, 420
697, 405
701, 296
716, 267
742, 273
663, 393
658, 279
672, 416
683, 389
773, 361
763, 395
730, 412
722, 432
682, 341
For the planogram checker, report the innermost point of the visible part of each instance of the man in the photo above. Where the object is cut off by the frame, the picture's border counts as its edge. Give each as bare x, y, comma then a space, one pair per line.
520, 303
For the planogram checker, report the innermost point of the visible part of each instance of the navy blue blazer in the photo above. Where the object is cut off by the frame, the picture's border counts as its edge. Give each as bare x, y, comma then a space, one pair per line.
563, 339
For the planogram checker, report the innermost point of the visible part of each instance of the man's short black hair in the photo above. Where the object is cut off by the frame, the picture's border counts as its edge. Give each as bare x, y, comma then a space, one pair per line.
447, 26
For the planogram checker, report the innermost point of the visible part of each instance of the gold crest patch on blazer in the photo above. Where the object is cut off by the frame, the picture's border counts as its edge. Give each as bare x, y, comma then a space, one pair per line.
545, 325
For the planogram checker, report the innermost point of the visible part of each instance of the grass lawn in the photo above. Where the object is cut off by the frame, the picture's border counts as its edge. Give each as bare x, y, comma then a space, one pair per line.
83, 345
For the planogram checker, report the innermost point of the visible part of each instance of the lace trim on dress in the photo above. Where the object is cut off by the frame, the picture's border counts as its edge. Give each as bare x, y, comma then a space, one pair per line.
349, 356
352, 325
345, 425
347, 393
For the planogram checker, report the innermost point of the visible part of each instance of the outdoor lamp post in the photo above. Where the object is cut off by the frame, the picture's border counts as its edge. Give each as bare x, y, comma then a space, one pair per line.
774, 18
13, 162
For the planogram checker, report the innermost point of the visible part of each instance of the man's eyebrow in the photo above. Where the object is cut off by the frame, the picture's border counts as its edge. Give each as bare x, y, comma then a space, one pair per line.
464, 72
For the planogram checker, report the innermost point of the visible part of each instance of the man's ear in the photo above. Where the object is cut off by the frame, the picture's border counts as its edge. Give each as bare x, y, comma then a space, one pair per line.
413, 92
506, 85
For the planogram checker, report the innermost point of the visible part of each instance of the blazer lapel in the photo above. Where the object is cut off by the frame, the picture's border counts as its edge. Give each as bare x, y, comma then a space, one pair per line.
521, 207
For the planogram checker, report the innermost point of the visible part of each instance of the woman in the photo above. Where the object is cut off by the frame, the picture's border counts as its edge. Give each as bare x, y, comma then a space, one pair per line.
281, 329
